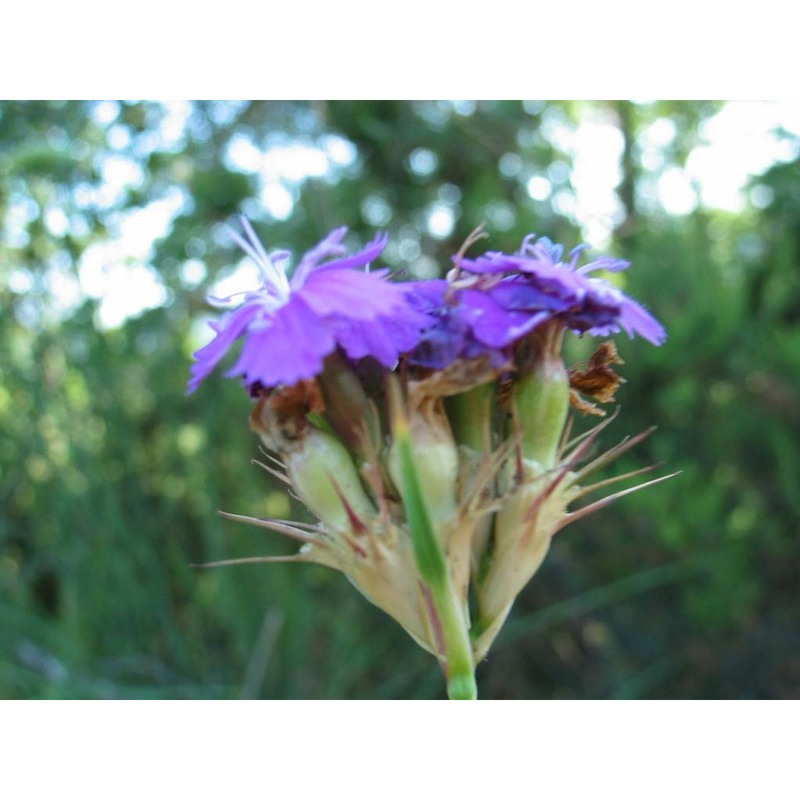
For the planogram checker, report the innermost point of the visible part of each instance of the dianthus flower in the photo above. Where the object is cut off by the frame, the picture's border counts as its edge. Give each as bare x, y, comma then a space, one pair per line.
292, 324
536, 279
491, 302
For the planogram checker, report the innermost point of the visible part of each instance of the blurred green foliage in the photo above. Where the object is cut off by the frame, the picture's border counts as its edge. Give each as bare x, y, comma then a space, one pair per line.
110, 476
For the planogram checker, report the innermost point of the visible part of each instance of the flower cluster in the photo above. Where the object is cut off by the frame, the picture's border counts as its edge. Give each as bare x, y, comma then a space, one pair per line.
425, 424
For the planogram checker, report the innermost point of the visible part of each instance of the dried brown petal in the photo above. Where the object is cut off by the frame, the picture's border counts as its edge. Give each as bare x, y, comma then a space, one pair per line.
598, 382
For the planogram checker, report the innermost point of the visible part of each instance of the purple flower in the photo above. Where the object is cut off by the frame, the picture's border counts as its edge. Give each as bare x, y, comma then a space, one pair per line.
290, 325
536, 279
467, 323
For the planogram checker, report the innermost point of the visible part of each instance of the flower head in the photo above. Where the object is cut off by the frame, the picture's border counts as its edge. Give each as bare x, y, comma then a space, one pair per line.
536, 279
438, 491
291, 324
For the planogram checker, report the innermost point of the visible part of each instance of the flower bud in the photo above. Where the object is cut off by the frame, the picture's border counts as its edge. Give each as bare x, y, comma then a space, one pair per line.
323, 475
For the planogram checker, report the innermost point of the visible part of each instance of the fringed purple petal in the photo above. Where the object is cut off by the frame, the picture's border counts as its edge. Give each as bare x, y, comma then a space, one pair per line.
442, 344
384, 338
229, 329
373, 339
362, 258
635, 319
492, 324
356, 295
290, 348
444, 340
518, 294
487, 264
331, 247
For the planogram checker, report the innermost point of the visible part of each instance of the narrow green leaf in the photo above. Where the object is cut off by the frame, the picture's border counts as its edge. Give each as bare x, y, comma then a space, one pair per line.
427, 551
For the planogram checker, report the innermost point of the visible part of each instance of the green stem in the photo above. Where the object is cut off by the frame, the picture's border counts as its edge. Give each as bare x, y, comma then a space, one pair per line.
446, 611
460, 667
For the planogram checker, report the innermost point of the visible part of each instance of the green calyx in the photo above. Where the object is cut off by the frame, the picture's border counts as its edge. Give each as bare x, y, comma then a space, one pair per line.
325, 477
470, 414
348, 409
540, 397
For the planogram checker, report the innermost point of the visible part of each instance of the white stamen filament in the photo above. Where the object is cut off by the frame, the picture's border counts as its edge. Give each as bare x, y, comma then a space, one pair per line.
274, 276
